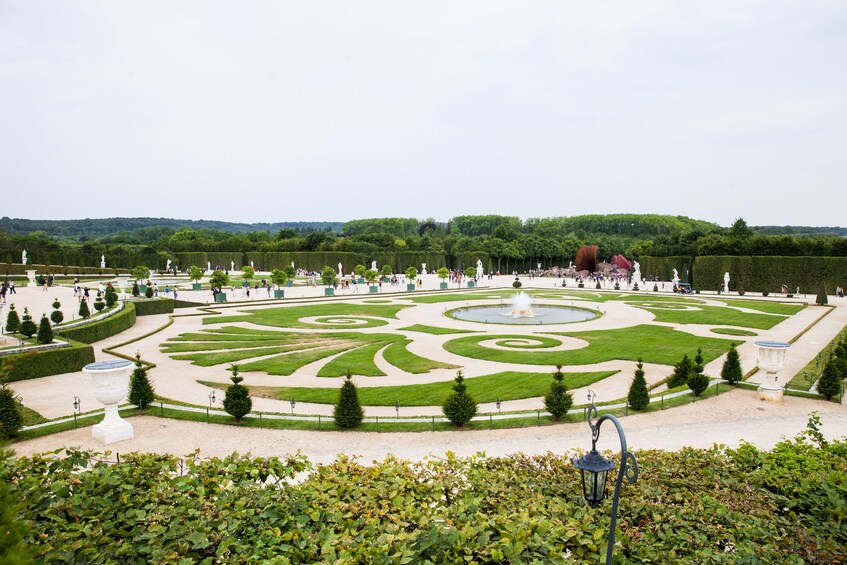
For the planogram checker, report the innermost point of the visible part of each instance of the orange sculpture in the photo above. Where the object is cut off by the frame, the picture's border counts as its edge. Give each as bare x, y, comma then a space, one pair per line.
586, 258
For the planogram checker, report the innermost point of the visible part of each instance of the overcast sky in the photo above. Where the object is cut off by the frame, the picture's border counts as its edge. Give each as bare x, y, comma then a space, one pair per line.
283, 111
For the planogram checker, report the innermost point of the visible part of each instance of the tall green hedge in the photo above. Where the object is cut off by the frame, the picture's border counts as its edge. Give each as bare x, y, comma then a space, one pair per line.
662, 268
756, 273
101, 329
18, 269
51, 362
152, 306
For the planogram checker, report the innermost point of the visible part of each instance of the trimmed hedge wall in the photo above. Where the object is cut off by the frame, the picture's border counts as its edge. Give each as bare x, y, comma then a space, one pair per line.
662, 268
101, 329
758, 273
187, 304
51, 362
151, 306
19, 269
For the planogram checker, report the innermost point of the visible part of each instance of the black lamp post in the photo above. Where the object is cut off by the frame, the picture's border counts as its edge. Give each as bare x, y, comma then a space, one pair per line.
595, 470
293, 402
498, 404
211, 399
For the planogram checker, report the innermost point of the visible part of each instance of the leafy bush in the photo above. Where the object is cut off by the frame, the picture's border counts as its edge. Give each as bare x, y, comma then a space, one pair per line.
195, 273
459, 407
411, 274
370, 275
558, 401
140, 388
639, 396
140, 273
13, 550
28, 327
443, 273
153, 306
13, 321
45, 332
101, 329
348, 412
84, 312
830, 383
149, 291
247, 273
219, 279
386, 271
470, 272
731, 370
328, 276
51, 362
237, 402
680, 373
278, 277
359, 270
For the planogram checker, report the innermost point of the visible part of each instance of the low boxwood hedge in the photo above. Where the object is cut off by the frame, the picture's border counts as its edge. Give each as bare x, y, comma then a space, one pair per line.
151, 306
187, 304
101, 329
51, 361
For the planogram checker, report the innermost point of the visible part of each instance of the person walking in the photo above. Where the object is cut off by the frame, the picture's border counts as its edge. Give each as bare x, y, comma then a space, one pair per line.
12, 288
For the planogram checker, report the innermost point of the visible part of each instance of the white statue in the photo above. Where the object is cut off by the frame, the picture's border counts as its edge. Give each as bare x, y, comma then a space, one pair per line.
208, 265
251, 265
675, 277
636, 274
479, 272
168, 265
423, 268
23, 256
373, 266
340, 271
102, 261
232, 265
292, 264
726, 282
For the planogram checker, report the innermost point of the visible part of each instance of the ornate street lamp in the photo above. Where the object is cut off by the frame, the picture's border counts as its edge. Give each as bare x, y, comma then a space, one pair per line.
595, 469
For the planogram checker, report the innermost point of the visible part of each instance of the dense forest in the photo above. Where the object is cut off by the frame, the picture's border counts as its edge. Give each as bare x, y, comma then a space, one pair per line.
551, 241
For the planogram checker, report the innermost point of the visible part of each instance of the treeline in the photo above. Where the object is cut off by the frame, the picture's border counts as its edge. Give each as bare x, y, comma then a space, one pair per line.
508, 242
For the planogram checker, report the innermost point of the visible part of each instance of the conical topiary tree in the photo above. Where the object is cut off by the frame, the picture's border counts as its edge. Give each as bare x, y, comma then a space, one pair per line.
639, 396
237, 400
821, 297
84, 312
149, 292
111, 296
558, 401
697, 381
348, 412
680, 373
45, 331
10, 417
731, 370
459, 407
56, 315
135, 290
98, 302
141, 391
13, 321
28, 327
830, 383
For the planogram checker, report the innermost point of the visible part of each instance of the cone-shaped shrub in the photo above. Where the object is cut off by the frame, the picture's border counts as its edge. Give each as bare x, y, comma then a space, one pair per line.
731, 370
680, 373
13, 321
697, 381
149, 292
111, 296
237, 400
639, 396
28, 327
10, 418
558, 401
135, 290
45, 331
56, 315
830, 383
140, 388
348, 412
821, 298
84, 312
459, 407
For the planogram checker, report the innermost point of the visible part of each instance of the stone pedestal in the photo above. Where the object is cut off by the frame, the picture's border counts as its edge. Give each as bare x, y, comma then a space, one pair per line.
771, 360
111, 384
30, 274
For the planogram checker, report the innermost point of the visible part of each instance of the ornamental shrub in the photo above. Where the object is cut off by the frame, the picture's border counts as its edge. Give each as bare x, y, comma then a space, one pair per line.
45, 332
639, 396
13, 547
821, 298
731, 370
411, 274
328, 276
370, 275
28, 327
359, 270
290, 271
135, 290
237, 400
470, 272
680, 373
697, 381
219, 279
111, 296
830, 384
141, 391
348, 412
386, 271
459, 407
140, 273
11, 420
558, 401
149, 292
56, 315
443, 273
517, 283
278, 277
98, 302
13, 321
195, 273
247, 273
84, 312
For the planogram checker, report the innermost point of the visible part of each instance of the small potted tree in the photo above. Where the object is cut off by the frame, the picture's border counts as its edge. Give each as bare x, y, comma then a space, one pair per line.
470, 272
290, 273
359, 271
247, 274
443, 273
386, 272
329, 278
278, 278
411, 275
141, 274
371, 276
195, 274
219, 280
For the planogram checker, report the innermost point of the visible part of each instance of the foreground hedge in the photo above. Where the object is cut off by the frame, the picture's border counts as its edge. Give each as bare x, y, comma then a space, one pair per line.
692, 506
101, 329
151, 306
51, 362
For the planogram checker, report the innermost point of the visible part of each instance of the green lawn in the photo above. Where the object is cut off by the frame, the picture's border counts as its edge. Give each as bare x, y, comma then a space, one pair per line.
765, 306
459, 296
508, 385
716, 315
654, 344
290, 317
733, 331
434, 330
399, 355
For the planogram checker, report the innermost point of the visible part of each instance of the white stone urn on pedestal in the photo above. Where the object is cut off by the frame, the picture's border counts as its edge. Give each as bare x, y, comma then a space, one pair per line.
771, 360
30, 274
111, 384
123, 283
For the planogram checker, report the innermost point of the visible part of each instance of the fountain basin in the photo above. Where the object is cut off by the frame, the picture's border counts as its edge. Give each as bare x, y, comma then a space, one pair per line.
537, 314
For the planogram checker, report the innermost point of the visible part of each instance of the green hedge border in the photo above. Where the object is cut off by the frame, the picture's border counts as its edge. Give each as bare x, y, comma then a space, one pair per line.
101, 329
51, 362
152, 306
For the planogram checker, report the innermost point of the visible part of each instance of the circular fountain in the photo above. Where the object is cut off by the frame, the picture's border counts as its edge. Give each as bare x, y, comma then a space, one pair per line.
522, 311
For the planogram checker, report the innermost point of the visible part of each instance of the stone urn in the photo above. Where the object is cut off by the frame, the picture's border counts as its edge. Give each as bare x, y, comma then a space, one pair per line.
771, 360
111, 384
30, 274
